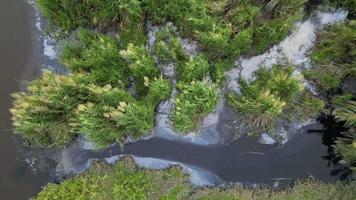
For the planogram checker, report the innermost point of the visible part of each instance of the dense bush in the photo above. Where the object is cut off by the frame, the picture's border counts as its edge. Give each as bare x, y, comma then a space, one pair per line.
194, 100
57, 107
45, 114
309, 189
118, 115
125, 181
195, 69
96, 54
142, 66
333, 57
349, 5
346, 145
267, 98
69, 14
227, 28
168, 47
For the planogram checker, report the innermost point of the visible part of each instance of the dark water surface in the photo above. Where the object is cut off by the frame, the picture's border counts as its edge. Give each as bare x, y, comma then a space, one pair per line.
245, 161
17, 62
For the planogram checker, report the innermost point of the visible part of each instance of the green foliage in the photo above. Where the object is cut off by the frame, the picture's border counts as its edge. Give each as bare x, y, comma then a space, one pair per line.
168, 46
347, 112
195, 100
124, 181
333, 57
69, 15
346, 145
118, 115
268, 96
57, 107
310, 189
218, 70
349, 5
282, 19
159, 89
142, 66
98, 120
336, 45
325, 77
227, 28
195, 69
97, 55
45, 114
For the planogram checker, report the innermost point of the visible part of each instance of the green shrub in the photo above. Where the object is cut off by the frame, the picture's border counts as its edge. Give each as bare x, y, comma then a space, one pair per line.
346, 145
217, 41
104, 124
226, 29
217, 71
180, 12
195, 100
279, 25
266, 98
123, 181
168, 47
69, 15
335, 45
45, 114
57, 107
118, 115
309, 189
195, 69
304, 107
97, 55
332, 57
159, 89
142, 66
349, 5
325, 77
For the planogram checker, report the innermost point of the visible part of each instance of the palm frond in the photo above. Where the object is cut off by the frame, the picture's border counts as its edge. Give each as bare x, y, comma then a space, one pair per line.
347, 113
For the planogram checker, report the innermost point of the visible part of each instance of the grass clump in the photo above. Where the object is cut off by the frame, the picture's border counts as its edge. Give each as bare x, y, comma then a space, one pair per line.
57, 107
142, 66
228, 28
346, 145
333, 57
97, 55
195, 69
168, 47
309, 189
119, 116
271, 95
195, 100
123, 181
349, 5
45, 115
69, 15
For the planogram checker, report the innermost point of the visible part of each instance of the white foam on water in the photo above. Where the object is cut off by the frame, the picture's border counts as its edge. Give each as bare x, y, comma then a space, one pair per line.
266, 139
198, 176
112, 160
49, 44
292, 49
50, 48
